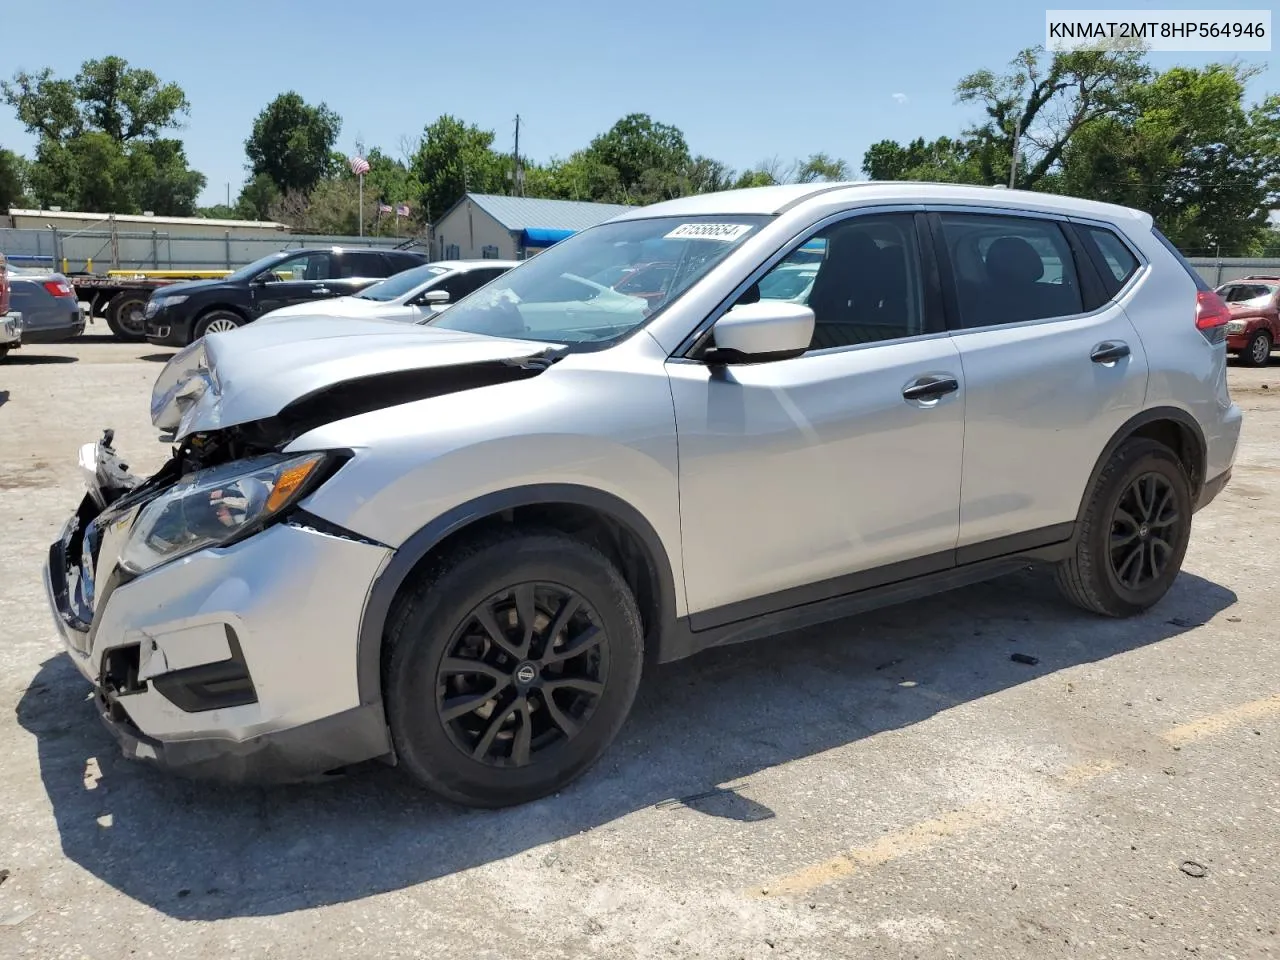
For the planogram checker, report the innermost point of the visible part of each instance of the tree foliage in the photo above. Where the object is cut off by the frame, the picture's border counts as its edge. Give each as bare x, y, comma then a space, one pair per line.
99, 139
291, 142
454, 158
13, 180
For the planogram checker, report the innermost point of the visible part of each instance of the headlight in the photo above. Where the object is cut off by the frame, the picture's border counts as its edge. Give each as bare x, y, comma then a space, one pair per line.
215, 506
172, 300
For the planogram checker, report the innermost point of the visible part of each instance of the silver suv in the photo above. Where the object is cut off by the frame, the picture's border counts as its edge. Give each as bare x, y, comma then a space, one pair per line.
454, 546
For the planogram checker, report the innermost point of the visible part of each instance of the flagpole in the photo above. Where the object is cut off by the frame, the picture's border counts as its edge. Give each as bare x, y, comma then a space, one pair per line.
361, 178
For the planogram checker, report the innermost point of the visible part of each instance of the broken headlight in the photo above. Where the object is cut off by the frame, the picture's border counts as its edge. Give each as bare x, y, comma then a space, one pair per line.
216, 506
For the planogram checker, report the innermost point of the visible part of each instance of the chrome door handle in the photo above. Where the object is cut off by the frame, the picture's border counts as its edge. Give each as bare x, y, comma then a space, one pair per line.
1109, 351
930, 388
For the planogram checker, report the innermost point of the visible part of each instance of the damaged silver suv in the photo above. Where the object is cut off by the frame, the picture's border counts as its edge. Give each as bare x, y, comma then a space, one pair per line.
455, 546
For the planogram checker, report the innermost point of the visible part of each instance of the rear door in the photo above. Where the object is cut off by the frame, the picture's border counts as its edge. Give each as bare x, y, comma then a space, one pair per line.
1052, 369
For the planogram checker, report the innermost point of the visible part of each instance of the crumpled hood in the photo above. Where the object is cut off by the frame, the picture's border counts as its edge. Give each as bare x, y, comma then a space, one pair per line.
255, 372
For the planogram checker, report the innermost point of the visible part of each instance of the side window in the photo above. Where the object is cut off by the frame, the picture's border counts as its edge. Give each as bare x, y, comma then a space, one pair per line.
1117, 261
307, 266
861, 277
1010, 269
459, 285
363, 265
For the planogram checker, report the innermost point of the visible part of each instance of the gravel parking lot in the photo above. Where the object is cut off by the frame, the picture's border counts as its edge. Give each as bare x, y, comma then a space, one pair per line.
893, 785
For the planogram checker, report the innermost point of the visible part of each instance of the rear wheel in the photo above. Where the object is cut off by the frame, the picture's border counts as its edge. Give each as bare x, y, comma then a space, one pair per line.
510, 667
1257, 352
1134, 533
216, 321
127, 315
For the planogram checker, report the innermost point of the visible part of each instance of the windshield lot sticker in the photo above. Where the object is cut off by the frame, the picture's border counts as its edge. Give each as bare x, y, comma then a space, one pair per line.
728, 232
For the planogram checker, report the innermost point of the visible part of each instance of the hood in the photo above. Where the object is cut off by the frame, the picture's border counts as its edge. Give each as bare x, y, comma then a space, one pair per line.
338, 306
291, 366
186, 286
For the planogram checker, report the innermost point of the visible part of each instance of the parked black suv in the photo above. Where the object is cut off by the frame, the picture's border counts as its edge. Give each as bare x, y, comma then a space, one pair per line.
181, 313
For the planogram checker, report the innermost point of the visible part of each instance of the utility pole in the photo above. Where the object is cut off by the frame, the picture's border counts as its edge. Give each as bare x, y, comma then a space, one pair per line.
228, 193
1013, 161
518, 185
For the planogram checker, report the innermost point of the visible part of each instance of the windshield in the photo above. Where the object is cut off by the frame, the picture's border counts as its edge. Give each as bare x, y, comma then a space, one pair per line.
255, 268
577, 291
399, 284
1244, 292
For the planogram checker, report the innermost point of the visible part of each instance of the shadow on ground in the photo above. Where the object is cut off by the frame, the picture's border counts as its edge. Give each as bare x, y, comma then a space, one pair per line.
156, 357
202, 851
26, 358
97, 338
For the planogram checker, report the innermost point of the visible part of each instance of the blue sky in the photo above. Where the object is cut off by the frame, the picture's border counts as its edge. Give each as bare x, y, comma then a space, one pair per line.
745, 81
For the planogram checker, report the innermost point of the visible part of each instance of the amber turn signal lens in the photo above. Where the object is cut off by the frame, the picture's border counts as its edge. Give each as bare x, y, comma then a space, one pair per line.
289, 482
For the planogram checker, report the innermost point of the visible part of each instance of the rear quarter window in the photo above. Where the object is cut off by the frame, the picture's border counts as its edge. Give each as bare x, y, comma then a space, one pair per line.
1113, 259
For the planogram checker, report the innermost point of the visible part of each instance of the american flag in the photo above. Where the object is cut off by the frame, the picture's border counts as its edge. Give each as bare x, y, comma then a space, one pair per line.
402, 210
359, 166
384, 208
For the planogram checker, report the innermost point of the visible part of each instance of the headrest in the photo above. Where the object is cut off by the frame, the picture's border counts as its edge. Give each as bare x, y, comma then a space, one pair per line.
1013, 260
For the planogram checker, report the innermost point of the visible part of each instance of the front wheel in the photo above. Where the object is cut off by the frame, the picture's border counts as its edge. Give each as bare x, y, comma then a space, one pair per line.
1134, 532
510, 667
1257, 352
216, 321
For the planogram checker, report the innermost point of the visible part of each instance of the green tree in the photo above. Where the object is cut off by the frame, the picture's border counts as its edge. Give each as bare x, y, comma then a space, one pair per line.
637, 160
13, 180
256, 198
99, 144
291, 142
1190, 155
218, 211
943, 160
820, 167
454, 158
1045, 105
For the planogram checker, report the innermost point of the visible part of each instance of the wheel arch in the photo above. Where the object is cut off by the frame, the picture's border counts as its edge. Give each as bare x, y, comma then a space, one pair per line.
223, 307
606, 521
1172, 426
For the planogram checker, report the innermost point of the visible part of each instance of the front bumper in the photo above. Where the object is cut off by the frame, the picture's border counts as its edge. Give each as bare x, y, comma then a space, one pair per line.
235, 662
168, 328
11, 330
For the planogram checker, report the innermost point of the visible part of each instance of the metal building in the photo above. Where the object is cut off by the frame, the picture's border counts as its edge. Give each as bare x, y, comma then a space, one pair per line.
482, 225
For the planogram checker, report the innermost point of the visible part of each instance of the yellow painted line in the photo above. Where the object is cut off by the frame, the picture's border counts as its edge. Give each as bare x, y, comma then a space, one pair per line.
1216, 723
928, 834
892, 846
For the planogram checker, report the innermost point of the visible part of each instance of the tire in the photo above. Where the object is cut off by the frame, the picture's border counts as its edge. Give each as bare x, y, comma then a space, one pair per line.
473, 757
4, 352
224, 319
1100, 574
125, 316
1257, 352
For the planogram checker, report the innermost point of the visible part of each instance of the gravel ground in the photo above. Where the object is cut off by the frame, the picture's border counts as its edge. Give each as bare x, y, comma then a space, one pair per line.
892, 785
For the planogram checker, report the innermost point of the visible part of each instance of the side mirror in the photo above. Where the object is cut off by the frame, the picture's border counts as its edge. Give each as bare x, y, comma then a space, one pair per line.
434, 296
762, 331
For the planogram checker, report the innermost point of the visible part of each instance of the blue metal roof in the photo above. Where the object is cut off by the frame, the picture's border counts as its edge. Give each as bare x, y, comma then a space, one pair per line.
524, 213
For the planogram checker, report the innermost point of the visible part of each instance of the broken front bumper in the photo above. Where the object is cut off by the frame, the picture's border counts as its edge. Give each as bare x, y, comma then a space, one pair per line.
237, 662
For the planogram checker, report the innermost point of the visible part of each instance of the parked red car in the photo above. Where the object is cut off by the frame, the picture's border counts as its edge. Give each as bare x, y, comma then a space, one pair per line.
1254, 327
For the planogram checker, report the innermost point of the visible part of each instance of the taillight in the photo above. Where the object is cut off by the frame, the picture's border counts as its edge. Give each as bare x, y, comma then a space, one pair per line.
59, 288
1212, 316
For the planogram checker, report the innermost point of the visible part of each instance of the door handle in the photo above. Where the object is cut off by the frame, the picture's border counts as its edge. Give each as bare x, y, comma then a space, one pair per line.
930, 388
1109, 351
319, 289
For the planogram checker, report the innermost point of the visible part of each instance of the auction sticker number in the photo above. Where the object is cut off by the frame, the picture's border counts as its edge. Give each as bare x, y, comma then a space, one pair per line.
727, 232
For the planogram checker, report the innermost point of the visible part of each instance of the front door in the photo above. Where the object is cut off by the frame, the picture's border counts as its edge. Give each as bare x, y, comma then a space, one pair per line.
296, 279
1052, 366
806, 478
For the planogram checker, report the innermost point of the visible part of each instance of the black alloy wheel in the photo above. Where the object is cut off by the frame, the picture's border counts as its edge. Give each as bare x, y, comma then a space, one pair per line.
1145, 529
523, 673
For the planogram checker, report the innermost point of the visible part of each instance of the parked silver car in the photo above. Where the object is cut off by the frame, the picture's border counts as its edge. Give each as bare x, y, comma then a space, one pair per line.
48, 304
456, 545
412, 295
